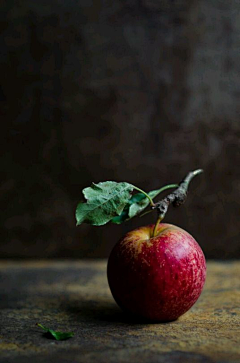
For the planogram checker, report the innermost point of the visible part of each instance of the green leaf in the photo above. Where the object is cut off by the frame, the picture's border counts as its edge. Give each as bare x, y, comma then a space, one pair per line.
58, 335
124, 215
105, 200
138, 203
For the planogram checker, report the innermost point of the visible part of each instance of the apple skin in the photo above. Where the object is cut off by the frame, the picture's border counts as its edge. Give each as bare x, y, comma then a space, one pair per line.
159, 278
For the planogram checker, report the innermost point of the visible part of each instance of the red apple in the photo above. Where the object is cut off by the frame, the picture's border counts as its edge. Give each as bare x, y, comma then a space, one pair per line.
158, 278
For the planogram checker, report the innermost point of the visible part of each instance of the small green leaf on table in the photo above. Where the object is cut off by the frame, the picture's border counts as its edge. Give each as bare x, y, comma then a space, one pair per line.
56, 334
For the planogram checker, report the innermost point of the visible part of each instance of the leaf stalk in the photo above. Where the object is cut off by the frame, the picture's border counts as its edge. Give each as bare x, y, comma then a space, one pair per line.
148, 196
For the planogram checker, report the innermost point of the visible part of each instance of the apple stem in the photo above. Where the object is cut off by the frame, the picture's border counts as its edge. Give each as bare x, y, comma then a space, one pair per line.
156, 226
175, 198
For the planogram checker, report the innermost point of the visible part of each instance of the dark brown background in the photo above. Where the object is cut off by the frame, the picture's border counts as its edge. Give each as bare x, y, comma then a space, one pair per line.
138, 91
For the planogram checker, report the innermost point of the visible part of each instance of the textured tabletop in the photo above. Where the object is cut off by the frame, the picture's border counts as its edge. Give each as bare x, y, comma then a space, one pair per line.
74, 295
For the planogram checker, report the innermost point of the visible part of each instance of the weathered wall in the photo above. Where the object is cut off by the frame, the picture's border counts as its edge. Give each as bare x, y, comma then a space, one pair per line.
139, 91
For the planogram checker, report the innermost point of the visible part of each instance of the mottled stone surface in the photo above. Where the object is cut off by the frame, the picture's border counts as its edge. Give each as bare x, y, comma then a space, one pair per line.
139, 91
74, 295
